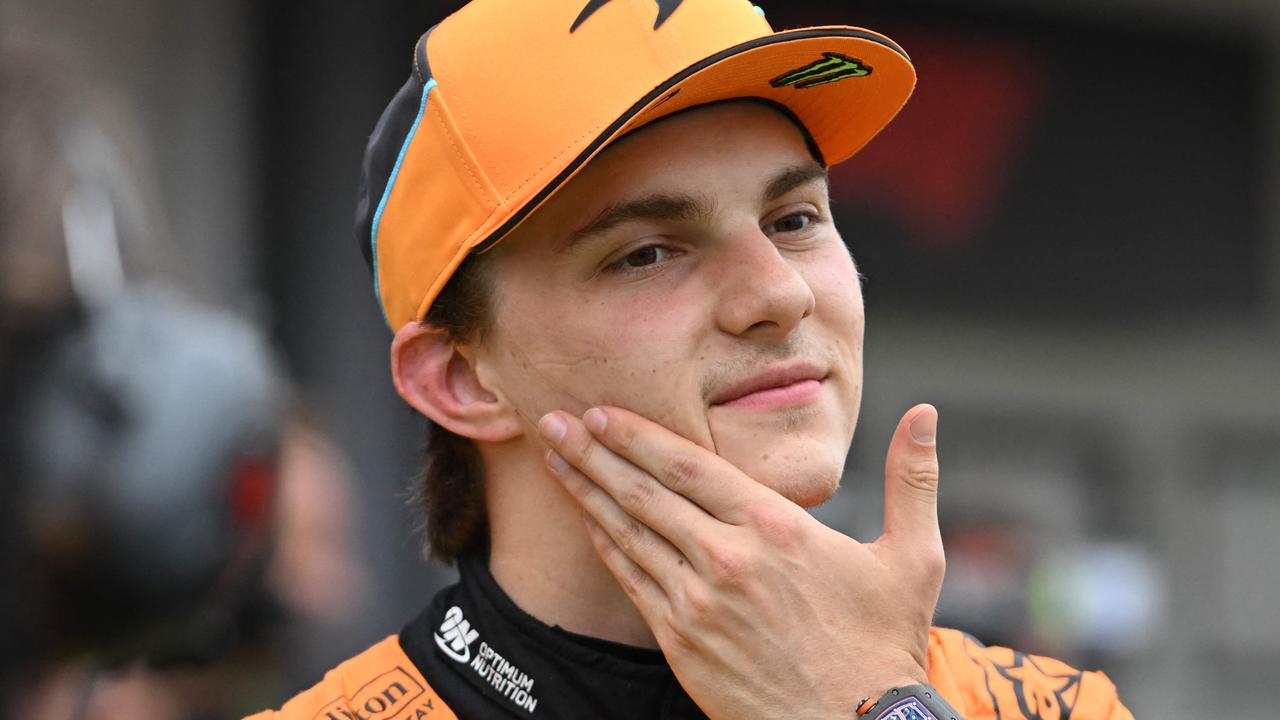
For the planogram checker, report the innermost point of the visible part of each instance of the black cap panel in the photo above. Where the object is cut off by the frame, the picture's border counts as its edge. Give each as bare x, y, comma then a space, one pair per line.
385, 145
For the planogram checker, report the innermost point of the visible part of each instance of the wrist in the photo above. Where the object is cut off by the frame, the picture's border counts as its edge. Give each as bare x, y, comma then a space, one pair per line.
878, 685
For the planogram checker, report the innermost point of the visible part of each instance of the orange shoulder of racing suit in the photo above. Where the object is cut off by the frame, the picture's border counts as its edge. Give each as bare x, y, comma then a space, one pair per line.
982, 683
996, 683
380, 683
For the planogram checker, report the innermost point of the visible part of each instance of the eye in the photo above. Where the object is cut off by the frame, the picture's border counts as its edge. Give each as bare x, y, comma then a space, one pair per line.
642, 257
795, 222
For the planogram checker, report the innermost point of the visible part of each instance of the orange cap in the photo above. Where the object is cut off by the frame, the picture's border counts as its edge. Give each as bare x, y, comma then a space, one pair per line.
508, 99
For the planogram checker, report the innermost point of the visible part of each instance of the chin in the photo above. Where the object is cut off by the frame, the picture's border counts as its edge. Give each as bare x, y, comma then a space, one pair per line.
809, 489
807, 479
801, 458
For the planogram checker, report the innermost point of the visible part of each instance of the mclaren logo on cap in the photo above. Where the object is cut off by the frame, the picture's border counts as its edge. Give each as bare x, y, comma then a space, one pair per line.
832, 67
665, 8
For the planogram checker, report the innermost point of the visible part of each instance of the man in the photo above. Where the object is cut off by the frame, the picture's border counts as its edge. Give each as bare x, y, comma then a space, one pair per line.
602, 236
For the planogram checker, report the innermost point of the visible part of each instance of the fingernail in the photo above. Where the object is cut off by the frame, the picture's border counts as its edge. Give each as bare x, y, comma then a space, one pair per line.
924, 428
556, 462
595, 420
552, 427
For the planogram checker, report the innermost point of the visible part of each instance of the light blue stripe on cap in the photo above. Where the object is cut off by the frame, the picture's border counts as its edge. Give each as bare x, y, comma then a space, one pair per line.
382, 204
759, 10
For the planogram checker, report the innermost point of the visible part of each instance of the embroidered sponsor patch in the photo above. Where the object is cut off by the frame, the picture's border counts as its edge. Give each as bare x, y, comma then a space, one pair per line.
665, 8
832, 67
455, 636
382, 698
455, 639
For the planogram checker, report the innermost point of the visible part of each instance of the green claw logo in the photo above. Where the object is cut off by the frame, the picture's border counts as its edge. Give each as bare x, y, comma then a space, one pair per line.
832, 67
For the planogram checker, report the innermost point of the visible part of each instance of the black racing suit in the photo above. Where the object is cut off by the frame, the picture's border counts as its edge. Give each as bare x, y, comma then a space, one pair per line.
490, 659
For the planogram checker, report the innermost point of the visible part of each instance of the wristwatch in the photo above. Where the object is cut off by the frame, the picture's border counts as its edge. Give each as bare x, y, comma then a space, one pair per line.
909, 702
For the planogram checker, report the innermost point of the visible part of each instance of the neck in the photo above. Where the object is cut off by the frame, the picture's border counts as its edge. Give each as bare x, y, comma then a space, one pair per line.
540, 553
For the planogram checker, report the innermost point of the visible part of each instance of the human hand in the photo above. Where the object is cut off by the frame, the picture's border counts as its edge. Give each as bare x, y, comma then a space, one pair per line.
758, 607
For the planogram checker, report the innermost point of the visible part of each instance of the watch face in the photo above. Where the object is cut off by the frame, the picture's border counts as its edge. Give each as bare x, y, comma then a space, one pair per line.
909, 708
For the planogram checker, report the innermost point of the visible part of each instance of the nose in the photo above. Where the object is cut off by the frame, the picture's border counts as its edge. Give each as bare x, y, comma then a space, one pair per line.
763, 293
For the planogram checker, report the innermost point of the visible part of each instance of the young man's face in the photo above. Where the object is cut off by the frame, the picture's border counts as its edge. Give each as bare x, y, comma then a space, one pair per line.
692, 273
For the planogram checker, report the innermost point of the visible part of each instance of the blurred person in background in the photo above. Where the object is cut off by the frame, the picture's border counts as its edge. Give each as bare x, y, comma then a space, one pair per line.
148, 456
665, 341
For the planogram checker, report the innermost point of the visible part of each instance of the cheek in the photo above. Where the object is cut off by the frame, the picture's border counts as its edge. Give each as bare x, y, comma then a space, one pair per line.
850, 323
839, 311
574, 352
838, 296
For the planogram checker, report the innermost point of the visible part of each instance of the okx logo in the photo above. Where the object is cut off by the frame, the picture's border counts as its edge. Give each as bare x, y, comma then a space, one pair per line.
832, 67
455, 636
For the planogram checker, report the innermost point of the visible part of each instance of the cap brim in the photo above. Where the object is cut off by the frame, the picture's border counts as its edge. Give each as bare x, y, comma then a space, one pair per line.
841, 107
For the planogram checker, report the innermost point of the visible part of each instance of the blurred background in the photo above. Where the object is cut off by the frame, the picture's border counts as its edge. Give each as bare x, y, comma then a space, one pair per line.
1071, 243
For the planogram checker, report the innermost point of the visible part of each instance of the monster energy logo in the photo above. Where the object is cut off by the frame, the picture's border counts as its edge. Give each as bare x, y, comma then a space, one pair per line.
832, 67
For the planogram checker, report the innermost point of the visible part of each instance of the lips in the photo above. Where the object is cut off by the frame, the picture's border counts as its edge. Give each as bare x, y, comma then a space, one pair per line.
774, 378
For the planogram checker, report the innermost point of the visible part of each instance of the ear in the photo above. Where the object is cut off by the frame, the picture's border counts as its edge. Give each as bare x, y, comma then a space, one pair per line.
434, 376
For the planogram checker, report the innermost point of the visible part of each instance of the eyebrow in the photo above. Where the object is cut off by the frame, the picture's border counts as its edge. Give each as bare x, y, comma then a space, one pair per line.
792, 178
685, 207
659, 206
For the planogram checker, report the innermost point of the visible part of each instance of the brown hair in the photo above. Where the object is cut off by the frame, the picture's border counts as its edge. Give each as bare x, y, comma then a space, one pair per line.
450, 488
